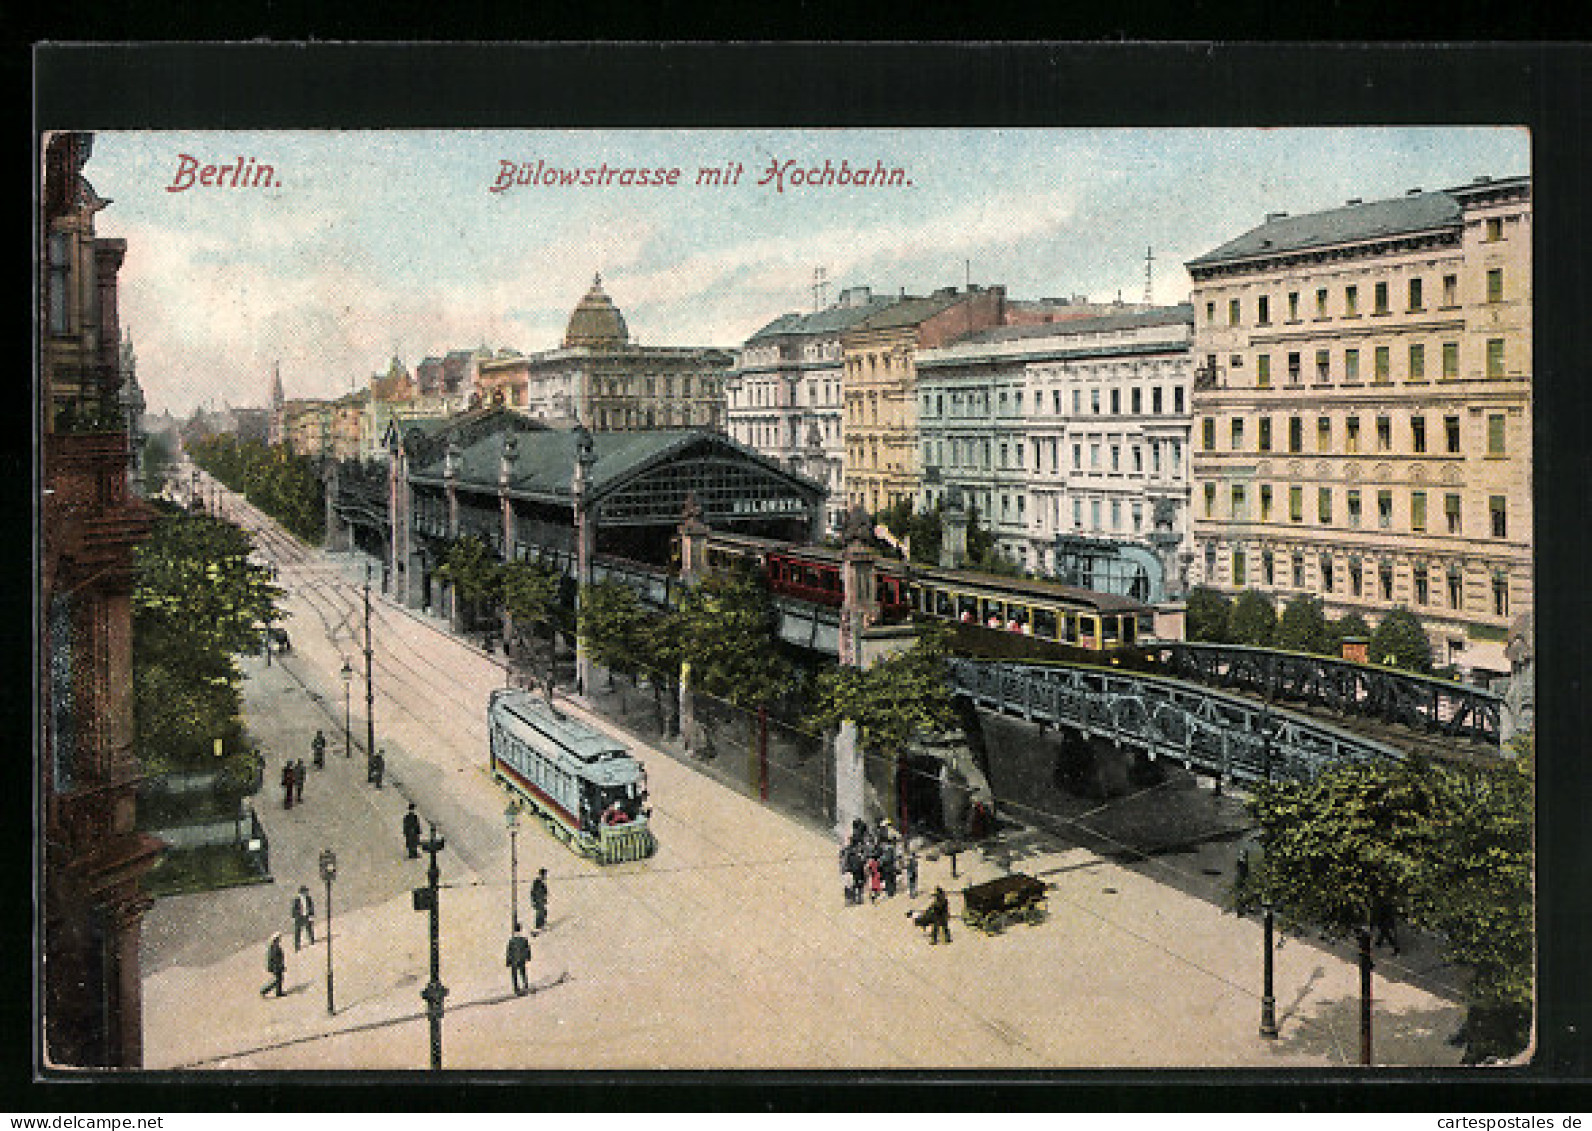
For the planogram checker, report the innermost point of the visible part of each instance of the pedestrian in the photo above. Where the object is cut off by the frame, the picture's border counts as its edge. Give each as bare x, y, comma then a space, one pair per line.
276, 964
939, 917
288, 776
412, 832
303, 917
539, 897
519, 953
872, 870
299, 774
318, 749
1386, 926
888, 869
848, 887
912, 875
378, 767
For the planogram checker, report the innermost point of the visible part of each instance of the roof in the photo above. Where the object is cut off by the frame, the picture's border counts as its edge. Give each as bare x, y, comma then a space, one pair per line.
596, 321
910, 311
1352, 223
826, 321
1128, 320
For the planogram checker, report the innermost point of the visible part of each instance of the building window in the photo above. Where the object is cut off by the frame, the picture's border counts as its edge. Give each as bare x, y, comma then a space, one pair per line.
1351, 302
1293, 369
1094, 456
1352, 500
1323, 366
1384, 434
1324, 505
1450, 290
1268, 567
1239, 511
1451, 430
1094, 514
1263, 310
1077, 513
1238, 567
1416, 299
1500, 588
1296, 504
1495, 357
1293, 306
1138, 460
1232, 312
1296, 434
1422, 596
1177, 400
1208, 433
1355, 579
1077, 457
1138, 400
59, 282
1265, 507
1384, 509
1238, 433
1263, 371
1324, 434
1263, 428
1351, 365
1321, 302
1351, 435
1450, 360
1116, 402
1116, 457
1500, 516
1451, 510
1417, 510
1456, 588
1327, 573
1384, 576
1210, 500
1495, 284
1380, 364
1495, 229
1298, 563
1418, 434
1116, 514
1155, 400
1495, 434
1094, 401
1379, 300
1417, 362
1077, 402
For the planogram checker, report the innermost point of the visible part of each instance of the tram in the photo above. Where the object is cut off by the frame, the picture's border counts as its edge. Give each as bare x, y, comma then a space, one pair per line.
1047, 610
587, 788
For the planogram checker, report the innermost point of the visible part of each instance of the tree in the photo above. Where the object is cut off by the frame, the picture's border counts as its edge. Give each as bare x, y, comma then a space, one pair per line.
1253, 619
1400, 642
1208, 615
613, 625
896, 698
725, 626
1477, 896
1344, 849
1349, 627
1303, 626
473, 571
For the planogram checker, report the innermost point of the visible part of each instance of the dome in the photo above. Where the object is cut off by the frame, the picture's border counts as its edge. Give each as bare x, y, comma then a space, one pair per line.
596, 323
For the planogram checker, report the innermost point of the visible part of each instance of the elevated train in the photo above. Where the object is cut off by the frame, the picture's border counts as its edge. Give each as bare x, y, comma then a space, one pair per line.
587, 788
1048, 610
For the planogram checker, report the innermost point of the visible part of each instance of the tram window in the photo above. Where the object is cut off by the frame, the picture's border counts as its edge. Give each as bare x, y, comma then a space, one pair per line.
1130, 629
1070, 629
1109, 631
1019, 619
1089, 631
944, 604
1045, 623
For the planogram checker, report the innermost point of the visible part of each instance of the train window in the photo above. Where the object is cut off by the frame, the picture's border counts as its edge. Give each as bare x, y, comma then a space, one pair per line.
1045, 623
1017, 618
1130, 629
944, 605
966, 608
1089, 631
1109, 631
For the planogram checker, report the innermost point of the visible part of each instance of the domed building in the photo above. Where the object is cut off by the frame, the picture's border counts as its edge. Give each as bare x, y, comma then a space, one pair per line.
600, 377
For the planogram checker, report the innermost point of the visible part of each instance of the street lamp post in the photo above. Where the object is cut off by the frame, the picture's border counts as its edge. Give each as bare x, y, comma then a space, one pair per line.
511, 818
1268, 996
425, 899
370, 688
329, 873
348, 715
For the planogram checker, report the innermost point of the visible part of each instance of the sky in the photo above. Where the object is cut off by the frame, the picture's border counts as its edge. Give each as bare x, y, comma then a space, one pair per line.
372, 245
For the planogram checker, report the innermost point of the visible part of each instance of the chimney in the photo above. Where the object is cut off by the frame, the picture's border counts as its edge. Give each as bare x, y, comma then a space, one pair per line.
1273, 217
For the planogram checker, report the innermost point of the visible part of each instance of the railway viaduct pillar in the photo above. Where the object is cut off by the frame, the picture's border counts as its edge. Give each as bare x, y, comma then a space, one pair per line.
339, 534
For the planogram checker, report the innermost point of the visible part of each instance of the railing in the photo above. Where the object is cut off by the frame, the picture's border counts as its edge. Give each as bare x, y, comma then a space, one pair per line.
1212, 733
1423, 703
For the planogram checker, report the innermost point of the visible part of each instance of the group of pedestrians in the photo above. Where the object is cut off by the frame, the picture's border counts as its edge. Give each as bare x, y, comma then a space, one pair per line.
875, 862
302, 910
293, 775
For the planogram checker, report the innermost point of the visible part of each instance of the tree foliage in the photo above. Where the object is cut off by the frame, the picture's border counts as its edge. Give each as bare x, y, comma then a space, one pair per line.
896, 698
473, 570
530, 591
1208, 616
1253, 619
197, 603
1303, 626
283, 485
1400, 642
615, 626
725, 627
1351, 626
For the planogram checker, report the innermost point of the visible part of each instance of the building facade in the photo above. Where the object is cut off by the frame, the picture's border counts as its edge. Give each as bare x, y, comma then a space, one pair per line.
783, 398
599, 377
1061, 432
92, 857
880, 386
1363, 407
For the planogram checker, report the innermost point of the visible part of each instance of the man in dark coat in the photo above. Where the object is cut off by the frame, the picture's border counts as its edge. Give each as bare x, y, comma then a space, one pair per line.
289, 775
299, 774
938, 917
412, 832
378, 767
539, 897
318, 749
303, 916
276, 965
519, 953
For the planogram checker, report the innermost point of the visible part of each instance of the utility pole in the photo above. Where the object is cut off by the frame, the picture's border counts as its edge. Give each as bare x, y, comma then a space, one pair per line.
425, 899
1268, 993
370, 688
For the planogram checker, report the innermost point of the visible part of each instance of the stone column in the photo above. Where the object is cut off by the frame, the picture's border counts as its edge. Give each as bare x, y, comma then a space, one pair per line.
953, 530
506, 462
450, 477
585, 547
858, 605
339, 536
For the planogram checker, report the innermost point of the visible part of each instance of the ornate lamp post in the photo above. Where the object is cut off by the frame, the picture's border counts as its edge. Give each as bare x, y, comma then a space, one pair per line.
328, 874
425, 899
1268, 997
511, 818
348, 717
